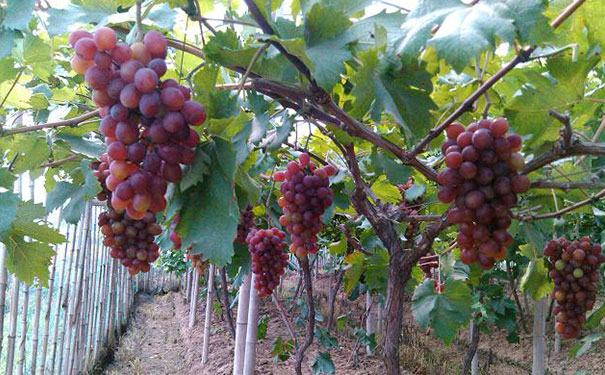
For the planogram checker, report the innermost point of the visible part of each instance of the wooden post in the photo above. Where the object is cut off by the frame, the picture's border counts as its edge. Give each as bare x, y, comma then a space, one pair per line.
208, 317
49, 299
112, 303
12, 328
251, 332
539, 338
241, 325
36, 328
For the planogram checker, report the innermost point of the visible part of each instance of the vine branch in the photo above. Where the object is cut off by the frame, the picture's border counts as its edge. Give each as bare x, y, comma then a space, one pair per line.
74, 121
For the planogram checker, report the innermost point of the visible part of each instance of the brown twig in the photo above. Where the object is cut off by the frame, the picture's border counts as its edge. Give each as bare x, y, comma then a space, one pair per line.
9, 92
74, 121
563, 211
286, 320
545, 184
55, 164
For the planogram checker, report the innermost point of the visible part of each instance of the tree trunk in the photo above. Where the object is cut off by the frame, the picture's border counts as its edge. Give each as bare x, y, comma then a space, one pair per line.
332, 301
208, 317
251, 332
539, 339
470, 360
242, 320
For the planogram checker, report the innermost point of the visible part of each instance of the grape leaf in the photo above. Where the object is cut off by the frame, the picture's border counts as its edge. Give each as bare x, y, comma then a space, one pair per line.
323, 364
464, 31
6, 179
199, 168
404, 94
445, 312
354, 270
7, 68
376, 272
18, 13
594, 317
30, 151
75, 15
394, 170
76, 195
6, 41
209, 220
584, 345
8, 211
535, 282
28, 260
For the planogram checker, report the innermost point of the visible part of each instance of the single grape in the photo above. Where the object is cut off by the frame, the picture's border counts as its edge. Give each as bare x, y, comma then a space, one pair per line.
155, 43
105, 38
121, 53
85, 48
77, 35
146, 80
130, 96
193, 112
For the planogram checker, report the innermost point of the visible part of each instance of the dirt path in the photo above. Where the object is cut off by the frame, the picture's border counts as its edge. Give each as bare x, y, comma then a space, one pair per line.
152, 344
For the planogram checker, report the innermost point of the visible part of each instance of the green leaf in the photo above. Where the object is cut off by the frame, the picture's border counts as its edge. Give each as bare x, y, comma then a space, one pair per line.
280, 135
281, 350
325, 339
338, 248
585, 344
354, 270
322, 364
6, 41
594, 317
18, 13
90, 147
327, 43
76, 195
209, 220
394, 170
377, 270
535, 282
404, 94
28, 260
445, 312
31, 150
7, 179
38, 231
200, 168
75, 15
414, 192
7, 68
263, 323
8, 212
464, 31
386, 191
36, 53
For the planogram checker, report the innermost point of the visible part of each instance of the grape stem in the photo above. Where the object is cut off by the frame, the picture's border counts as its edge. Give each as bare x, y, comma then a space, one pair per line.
55, 164
284, 317
139, 20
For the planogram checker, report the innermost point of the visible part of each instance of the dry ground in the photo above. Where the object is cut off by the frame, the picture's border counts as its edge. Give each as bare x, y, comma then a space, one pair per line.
159, 342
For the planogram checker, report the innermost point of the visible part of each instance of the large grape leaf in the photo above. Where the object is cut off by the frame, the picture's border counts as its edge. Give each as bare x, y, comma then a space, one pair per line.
404, 94
464, 31
444, 312
8, 211
326, 40
18, 13
29, 151
6, 41
79, 13
209, 220
354, 269
28, 260
36, 54
376, 271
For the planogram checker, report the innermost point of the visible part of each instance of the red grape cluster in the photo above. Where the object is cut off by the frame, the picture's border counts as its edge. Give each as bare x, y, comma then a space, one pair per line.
246, 223
131, 241
174, 236
196, 262
266, 246
574, 270
483, 181
145, 120
306, 195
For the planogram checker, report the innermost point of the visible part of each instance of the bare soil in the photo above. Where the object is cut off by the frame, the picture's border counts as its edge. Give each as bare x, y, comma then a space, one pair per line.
159, 342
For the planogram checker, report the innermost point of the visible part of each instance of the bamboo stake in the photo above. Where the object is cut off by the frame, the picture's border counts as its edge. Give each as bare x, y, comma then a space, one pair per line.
24, 309
241, 325
37, 308
63, 291
112, 304
251, 333
95, 260
12, 329
49, 299
195, 283
539, 338
187, 285
369, 318
208, 317
3, 276
102, 307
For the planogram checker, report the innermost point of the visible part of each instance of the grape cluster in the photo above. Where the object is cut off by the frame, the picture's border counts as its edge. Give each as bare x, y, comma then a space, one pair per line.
196, 262
306, 195
246, 223
131, 241
483, 181
574, 269
266, 246
145, 120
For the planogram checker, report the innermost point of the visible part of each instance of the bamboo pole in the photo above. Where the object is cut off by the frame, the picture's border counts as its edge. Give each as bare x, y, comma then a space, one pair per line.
95, 260
251, 333
12, 328
208, 317
112, 304
84, 309
539, 339
187, 285
49, 299
37, 308
63, 291
241, 325
102, 305
3, 276
193, 299
369, 318
23, 334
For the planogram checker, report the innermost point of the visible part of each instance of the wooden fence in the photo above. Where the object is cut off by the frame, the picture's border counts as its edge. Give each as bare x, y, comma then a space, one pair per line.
68, 327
